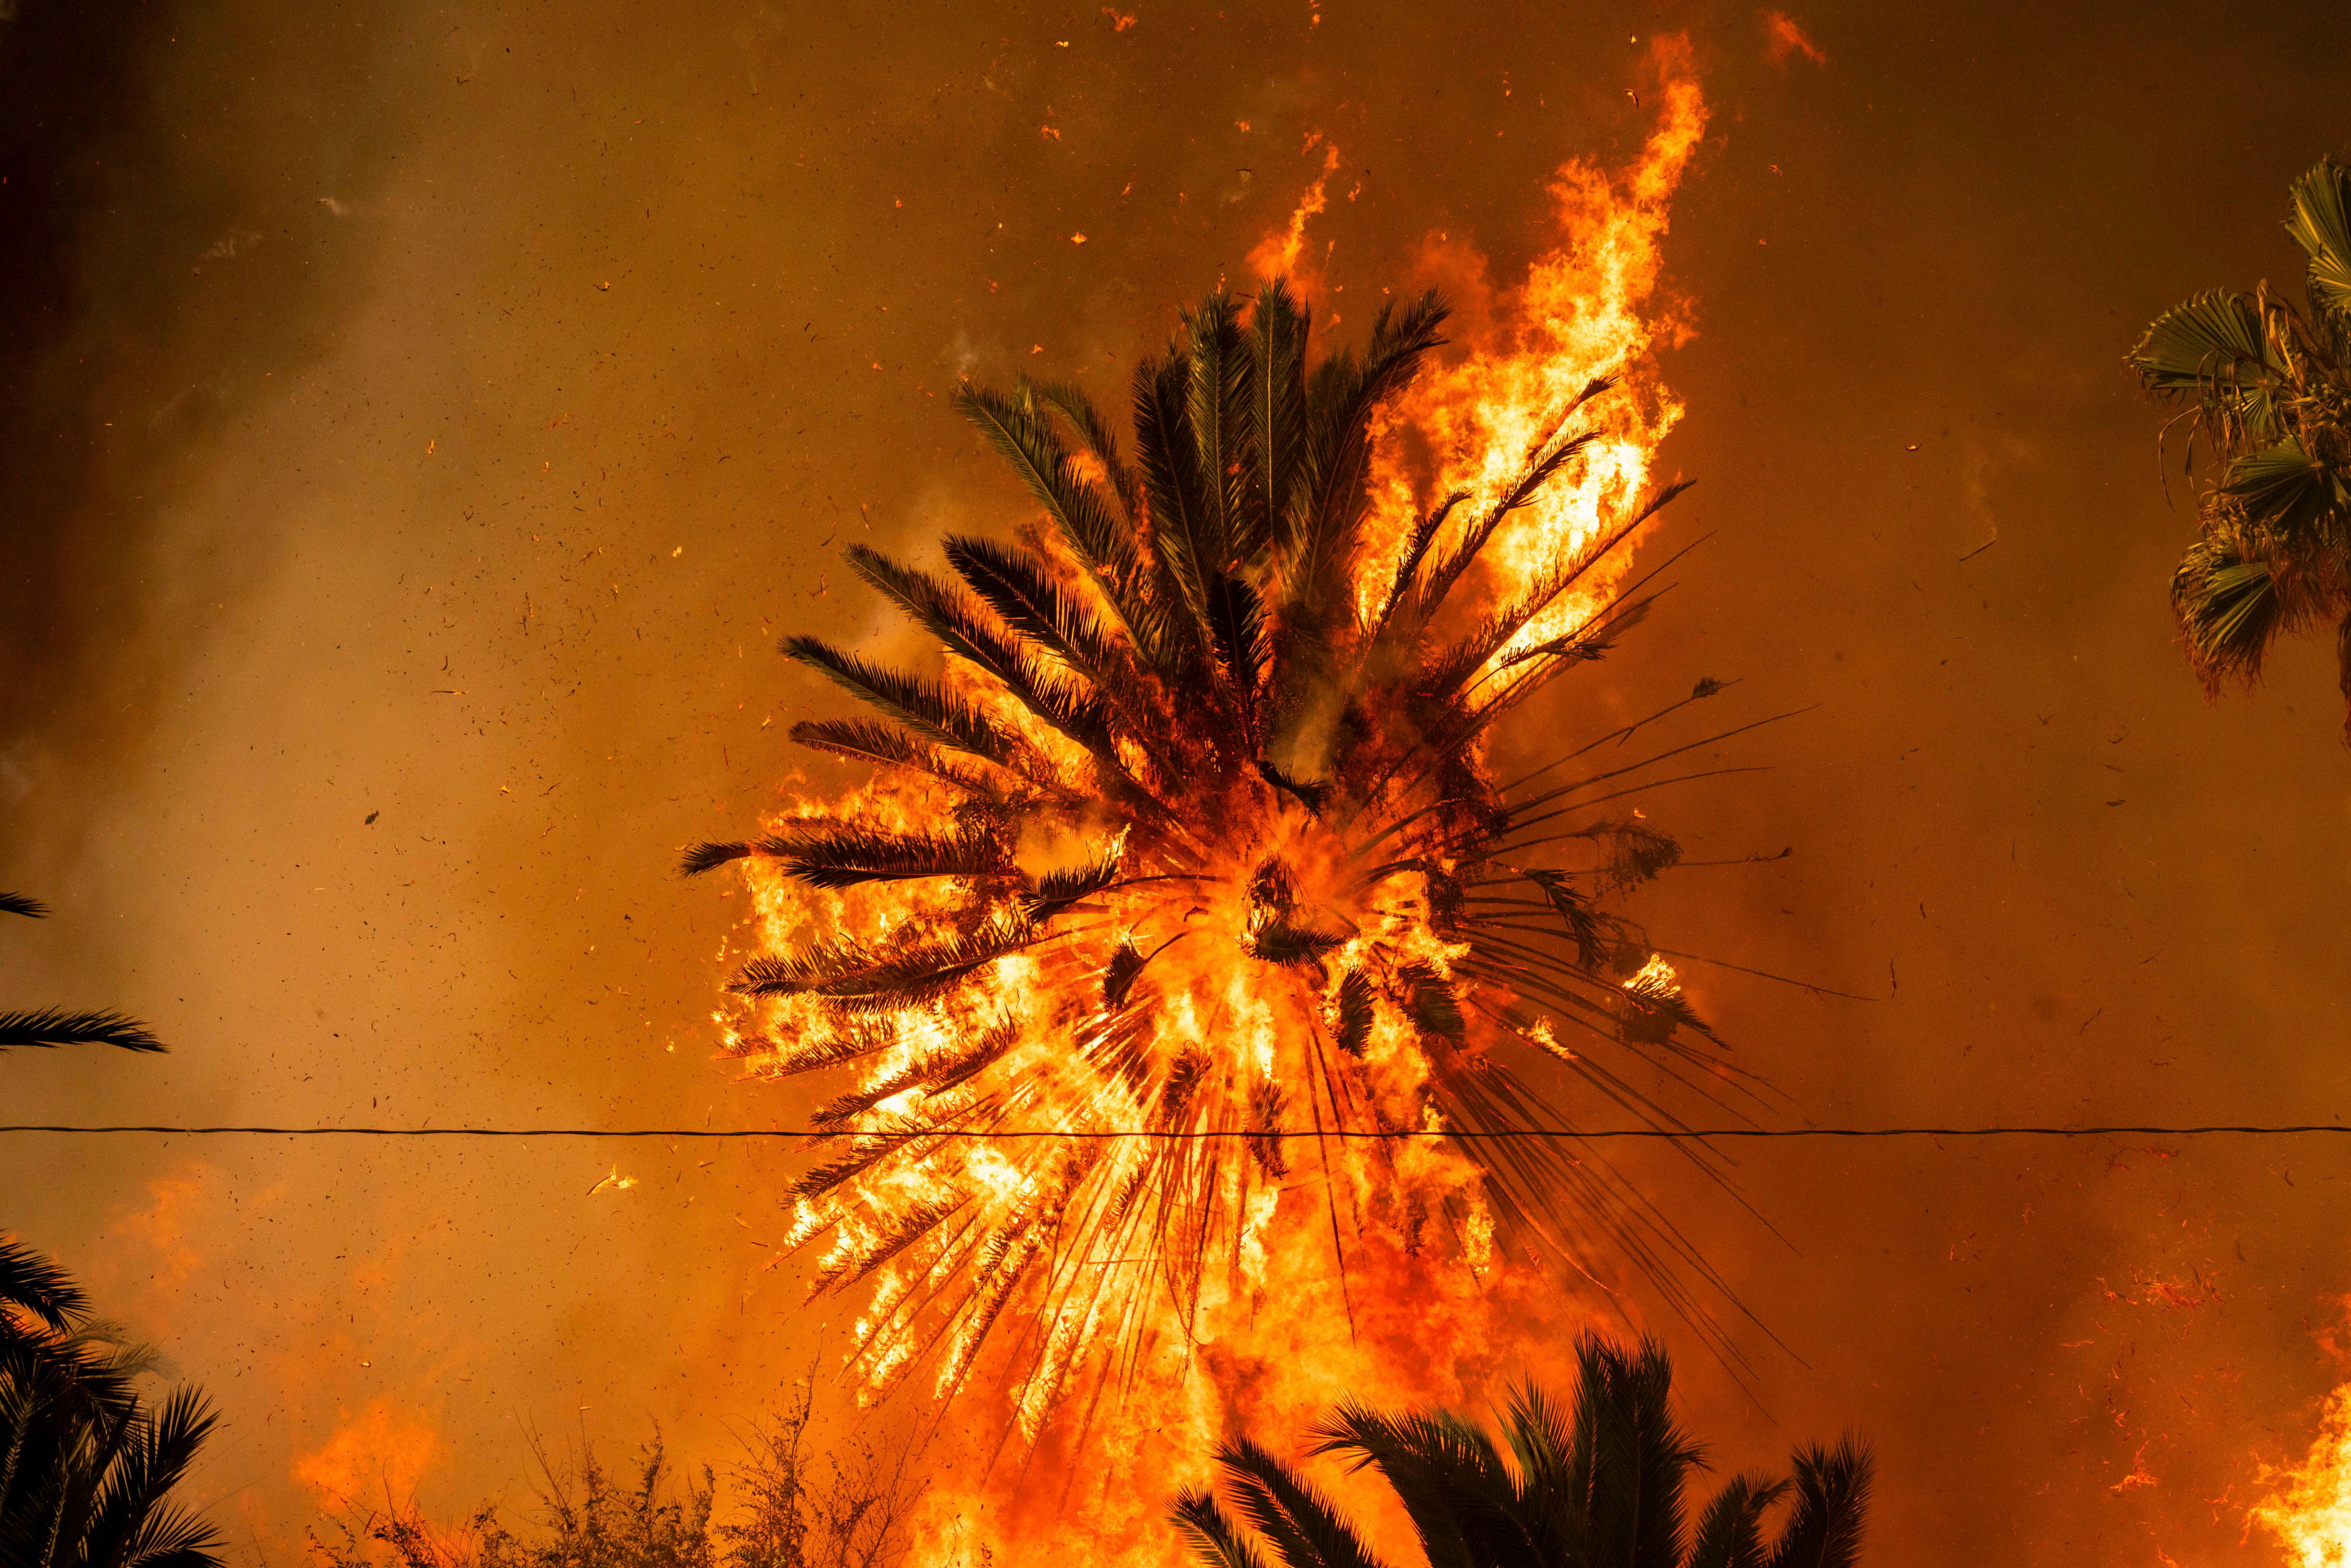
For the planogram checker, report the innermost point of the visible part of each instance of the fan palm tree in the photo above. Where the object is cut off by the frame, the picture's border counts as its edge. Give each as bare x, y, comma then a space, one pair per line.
54, 1025
1602, 1487
2267, 385
86, 1466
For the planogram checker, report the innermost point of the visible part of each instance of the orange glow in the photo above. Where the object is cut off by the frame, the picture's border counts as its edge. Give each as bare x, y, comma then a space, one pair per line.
1782, 37
1120, 1303
373, 1460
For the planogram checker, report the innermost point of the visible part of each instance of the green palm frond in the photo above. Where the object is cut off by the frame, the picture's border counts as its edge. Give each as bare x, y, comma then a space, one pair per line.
2285, 491
2211, 349
2321, 225
2230, 610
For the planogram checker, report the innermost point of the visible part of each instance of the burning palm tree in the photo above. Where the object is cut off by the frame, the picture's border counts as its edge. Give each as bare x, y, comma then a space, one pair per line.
1183, 933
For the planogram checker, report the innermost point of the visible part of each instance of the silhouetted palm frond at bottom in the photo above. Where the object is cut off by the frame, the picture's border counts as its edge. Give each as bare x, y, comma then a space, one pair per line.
86, 1466
1599, 1485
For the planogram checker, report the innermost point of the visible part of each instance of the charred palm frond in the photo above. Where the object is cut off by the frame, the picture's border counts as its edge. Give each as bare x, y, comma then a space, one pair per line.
1242, 712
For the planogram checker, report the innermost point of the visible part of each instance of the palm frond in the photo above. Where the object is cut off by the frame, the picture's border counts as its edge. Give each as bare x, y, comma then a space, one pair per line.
1020, 588
1832, 1487
862, 978
1217, 401
1627, 1455
2210, 349
1057, 890
17, 903
863, 740
1278, 332
945, 612
1213, 1536
924, 706
843, 855
1730, 1530
2230, 609
2321, 225
1465, 1506
50, 1027
1289, 1510
1101, 442
1020, 432
1340, 398
2285, 491
1186, 537
36, 1284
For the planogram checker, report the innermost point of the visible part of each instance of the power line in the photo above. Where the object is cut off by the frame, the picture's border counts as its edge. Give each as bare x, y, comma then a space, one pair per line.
1375, 1134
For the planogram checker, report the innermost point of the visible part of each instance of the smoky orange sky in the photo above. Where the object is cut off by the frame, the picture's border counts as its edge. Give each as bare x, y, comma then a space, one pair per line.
421, 422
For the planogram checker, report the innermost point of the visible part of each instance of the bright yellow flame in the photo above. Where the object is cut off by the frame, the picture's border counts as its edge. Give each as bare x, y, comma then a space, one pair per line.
2310, 1511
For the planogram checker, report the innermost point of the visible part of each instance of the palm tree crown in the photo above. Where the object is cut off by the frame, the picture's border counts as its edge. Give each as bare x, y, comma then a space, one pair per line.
2268, 387
1190, 852
1599, 1488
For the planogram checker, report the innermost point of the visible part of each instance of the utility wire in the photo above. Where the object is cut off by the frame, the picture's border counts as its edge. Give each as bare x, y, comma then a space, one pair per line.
1568, 1133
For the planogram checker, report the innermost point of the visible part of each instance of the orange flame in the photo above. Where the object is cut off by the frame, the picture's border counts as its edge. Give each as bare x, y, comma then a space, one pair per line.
1589, 310
1278, 253
375, 1457
1314, 1269
2310, 1510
